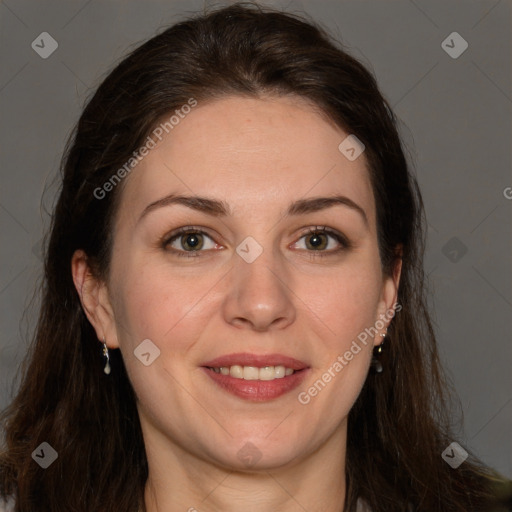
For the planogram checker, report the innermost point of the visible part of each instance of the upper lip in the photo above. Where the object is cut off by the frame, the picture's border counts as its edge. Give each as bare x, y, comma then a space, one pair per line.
259, 360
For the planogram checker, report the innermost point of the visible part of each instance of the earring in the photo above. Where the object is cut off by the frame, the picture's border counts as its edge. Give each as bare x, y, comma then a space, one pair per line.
105, 354
377, 352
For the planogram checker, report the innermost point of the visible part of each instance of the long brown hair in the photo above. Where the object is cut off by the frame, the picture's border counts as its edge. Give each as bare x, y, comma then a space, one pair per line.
399, 425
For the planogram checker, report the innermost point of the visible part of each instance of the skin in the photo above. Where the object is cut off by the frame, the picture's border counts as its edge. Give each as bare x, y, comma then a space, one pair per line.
257, 155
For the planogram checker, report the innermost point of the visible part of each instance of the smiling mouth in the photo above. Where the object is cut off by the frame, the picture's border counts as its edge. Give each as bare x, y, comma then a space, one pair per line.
256, 377
264, 373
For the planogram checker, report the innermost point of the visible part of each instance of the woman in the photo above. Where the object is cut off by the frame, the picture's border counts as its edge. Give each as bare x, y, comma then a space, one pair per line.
233, 313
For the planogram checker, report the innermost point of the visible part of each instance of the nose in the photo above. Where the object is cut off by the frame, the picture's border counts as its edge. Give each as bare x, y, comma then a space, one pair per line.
259, 295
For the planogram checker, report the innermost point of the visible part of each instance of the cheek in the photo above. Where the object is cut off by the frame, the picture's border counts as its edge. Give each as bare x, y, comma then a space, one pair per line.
346, 301
171, 310
164, 305
347, 308
172, 307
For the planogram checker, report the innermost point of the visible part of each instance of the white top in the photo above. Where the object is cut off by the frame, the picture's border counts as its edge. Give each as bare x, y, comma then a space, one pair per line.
6, 506
362, 506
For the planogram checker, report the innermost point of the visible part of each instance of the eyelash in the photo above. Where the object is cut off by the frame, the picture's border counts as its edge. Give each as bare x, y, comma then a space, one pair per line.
323, 230
342, 240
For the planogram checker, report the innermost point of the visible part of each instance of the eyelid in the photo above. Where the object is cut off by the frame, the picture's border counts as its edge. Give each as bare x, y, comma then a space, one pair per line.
167, 239
339, 237
333, 233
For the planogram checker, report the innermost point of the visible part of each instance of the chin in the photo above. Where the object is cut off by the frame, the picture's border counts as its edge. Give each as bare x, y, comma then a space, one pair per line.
255, 455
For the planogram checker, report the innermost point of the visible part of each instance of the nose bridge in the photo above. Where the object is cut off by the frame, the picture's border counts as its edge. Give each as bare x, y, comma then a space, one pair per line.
259, 294
265, 272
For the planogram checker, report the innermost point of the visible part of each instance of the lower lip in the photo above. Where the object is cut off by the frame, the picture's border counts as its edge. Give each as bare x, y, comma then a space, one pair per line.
257, 390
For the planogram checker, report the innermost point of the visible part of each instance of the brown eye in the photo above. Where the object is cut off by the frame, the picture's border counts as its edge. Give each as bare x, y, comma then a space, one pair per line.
193, 241
321, 241
317, 241
187, 240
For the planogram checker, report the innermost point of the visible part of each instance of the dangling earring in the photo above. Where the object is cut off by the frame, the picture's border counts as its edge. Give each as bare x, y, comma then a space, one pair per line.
105, 354
377, 352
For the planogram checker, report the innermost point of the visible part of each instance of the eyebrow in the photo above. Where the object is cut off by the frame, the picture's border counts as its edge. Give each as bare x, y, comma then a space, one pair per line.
218, 208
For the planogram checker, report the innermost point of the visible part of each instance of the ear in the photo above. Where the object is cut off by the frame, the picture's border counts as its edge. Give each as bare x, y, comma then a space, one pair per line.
95, 299
389, 295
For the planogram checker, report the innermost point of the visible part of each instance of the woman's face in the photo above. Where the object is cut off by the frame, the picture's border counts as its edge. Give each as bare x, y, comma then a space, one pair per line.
248, 287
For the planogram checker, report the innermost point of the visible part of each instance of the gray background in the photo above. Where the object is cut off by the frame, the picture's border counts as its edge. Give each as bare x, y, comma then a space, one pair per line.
455, 116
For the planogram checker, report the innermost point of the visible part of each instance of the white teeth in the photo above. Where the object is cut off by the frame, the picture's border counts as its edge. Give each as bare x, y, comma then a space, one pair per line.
254, 373
280, 371
251, 373
237, 371
267, 373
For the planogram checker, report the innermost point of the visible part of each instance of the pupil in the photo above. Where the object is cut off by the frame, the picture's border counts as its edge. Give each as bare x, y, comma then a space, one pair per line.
192, 240
316, 240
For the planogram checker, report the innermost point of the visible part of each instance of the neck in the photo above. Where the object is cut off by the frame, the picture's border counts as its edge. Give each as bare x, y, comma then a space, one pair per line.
180, 481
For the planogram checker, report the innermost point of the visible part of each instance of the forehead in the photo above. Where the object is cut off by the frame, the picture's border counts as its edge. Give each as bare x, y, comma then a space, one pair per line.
252, 153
